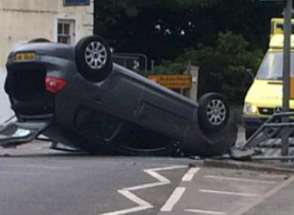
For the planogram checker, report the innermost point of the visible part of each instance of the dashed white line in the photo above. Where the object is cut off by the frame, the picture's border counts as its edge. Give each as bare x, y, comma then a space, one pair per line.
240, 179
205, 212
179, 191
190, 174
173, 199
228, 193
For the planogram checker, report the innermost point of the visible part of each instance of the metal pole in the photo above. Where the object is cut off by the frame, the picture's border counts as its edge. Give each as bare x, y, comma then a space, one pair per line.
286, 73
152, 65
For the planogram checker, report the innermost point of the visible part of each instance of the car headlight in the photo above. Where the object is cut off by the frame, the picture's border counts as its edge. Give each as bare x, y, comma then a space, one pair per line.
250, 109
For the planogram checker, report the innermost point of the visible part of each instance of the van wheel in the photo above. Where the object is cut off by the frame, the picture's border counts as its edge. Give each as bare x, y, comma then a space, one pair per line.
213, 112
93, 58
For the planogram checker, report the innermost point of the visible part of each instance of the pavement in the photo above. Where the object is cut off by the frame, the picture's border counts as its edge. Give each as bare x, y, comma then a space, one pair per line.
279, 203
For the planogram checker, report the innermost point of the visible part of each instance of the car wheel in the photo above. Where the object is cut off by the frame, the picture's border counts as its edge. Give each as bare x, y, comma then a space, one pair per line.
93, 58
213, 112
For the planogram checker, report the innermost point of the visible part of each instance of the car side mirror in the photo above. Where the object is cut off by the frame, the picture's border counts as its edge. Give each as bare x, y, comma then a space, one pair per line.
249, 76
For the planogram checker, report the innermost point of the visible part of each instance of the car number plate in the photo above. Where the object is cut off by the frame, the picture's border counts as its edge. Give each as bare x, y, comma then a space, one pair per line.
25, 56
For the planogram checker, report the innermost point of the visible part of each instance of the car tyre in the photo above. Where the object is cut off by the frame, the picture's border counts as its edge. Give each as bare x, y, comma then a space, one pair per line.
213, 112
93, 58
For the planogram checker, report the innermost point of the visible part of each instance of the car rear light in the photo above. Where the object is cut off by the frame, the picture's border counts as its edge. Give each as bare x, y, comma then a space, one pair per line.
54, 84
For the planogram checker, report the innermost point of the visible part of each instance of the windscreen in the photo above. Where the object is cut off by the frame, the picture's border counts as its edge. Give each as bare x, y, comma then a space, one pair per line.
272, 66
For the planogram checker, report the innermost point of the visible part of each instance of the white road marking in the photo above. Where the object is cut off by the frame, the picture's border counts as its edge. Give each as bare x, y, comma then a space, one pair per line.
173, 199
228, 193
146, 186
153, 172
240, 179
179, 191
205, 212
190, 174
142, 204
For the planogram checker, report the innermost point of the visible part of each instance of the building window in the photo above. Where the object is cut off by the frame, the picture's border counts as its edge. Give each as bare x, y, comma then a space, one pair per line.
66, 31
76, 2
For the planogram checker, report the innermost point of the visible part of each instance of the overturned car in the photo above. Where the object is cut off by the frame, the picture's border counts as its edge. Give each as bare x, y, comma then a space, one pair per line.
77, 96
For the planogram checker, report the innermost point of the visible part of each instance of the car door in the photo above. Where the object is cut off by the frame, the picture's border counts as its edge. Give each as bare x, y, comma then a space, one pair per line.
17, 133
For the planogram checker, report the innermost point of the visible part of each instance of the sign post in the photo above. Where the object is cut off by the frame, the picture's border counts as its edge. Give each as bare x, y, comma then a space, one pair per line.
286, 73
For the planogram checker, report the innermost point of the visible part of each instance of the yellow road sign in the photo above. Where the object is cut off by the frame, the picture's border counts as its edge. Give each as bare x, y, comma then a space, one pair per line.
173, 81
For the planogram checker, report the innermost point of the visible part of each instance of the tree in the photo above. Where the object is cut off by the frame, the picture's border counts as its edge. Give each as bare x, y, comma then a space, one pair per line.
222, 68
156, 27
163, 29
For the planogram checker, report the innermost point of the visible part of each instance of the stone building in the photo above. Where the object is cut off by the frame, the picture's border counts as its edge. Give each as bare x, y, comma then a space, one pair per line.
63, 21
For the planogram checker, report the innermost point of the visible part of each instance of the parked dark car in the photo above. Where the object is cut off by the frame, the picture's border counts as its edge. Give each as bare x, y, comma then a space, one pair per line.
77, 96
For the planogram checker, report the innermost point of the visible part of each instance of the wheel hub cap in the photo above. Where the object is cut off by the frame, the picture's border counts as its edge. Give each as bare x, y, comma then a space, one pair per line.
216, 112
95, 55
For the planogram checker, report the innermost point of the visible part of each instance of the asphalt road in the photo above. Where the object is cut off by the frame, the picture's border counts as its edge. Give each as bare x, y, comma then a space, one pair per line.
36, 180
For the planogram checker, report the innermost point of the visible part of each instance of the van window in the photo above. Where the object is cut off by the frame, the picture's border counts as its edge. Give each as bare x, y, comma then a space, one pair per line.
271, 67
